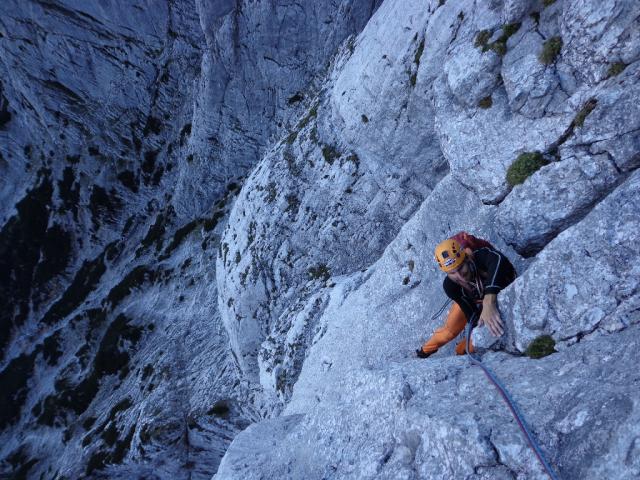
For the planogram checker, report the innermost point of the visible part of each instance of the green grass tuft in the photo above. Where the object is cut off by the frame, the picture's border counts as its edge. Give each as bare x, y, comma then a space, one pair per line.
541, 347
550, 50
525, 165
330, 153
482, 39
584, 112
616, 69
319, 272
500, 45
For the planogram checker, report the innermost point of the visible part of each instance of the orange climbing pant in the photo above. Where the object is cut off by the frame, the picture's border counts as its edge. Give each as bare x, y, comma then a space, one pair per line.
455, 323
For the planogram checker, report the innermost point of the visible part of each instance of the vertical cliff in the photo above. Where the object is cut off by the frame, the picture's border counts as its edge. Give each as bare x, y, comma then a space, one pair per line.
217, 219
126, 130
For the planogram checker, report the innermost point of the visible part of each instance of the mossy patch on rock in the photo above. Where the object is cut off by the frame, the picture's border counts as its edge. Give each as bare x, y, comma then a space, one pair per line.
312, 113
55, 255
20, 463
293, 204
499, 46
550, 50
584, 112
525, 165
330, 153
616, 68
5, 114
319, 272
541, 347
482, 39
486, 102
419, 52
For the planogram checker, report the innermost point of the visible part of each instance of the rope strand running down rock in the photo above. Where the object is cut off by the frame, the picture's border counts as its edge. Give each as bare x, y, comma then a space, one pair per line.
510, 403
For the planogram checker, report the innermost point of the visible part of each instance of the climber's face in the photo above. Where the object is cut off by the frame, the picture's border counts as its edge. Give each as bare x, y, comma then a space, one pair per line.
462, 276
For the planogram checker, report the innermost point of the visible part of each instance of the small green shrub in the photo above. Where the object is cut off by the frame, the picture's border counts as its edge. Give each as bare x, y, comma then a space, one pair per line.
482, 39
319, 272
486, 102
584, 112
291, 138
293, 204
547, 3
509, 29
616, 69
525, 165
413, 78
550, 50
330, 153
312, 113
541, 347
500, 45
364, 118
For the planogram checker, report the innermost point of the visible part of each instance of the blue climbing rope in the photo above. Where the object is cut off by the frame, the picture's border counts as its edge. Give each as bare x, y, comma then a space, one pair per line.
511, 404
439, 312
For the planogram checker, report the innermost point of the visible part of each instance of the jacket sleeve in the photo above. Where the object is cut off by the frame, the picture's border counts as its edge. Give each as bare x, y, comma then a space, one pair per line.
500, 272
454, 292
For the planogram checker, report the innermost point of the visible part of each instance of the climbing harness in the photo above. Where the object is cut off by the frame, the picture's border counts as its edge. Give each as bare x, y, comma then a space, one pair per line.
509, 401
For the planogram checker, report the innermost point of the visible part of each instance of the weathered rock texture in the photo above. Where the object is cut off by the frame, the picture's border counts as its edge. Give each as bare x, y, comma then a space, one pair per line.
125, 131
217, 214
478, 83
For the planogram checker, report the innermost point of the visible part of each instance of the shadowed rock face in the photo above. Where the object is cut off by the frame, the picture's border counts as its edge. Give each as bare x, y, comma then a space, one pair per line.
219, 214
125, 131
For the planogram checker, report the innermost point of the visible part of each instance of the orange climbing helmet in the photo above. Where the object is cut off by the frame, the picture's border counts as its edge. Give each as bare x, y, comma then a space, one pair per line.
450, 255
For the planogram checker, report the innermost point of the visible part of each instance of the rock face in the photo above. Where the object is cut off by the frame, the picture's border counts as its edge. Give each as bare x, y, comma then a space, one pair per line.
217, 221
446, 420
489, 81
125, 132
590, 283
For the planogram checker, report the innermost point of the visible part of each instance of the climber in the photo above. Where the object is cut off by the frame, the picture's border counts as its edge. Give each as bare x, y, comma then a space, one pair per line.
476, 273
